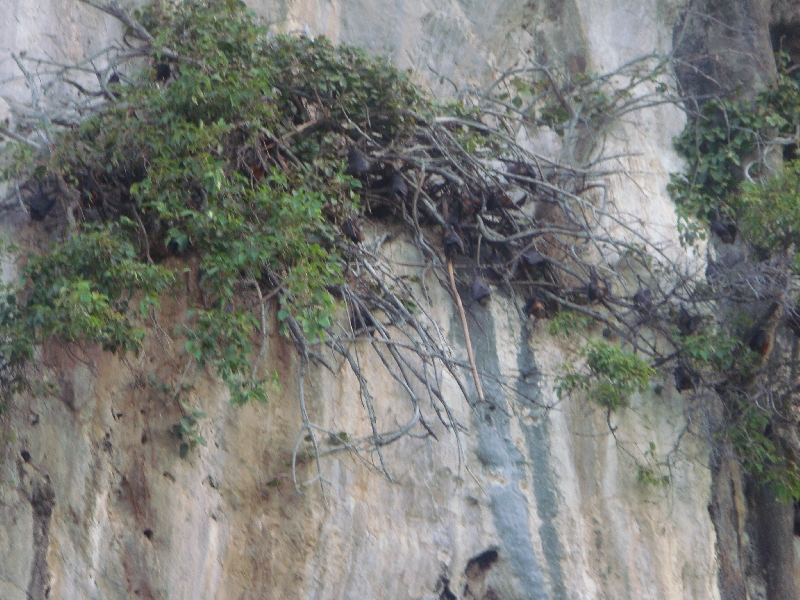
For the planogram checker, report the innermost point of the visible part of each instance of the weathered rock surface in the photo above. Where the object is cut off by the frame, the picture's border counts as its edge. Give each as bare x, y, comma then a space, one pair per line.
543, 503
97, 503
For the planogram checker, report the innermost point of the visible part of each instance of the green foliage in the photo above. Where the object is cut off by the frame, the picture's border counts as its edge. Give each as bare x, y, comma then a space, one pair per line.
718, 351
210, 164
187, 430
769, 215
83, 289
728, 140
721, 353
90, 288
591, 100
714, 145
610, 376
719, 142
649, 474
568, 322
761, 453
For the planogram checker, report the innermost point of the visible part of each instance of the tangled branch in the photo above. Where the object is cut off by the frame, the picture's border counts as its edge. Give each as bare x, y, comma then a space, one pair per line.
176, 149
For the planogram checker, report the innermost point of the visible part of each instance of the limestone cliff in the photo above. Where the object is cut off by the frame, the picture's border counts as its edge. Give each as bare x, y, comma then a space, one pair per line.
543, 502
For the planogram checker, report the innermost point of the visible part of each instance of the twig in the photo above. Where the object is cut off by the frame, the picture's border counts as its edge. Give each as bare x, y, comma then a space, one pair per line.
8, 133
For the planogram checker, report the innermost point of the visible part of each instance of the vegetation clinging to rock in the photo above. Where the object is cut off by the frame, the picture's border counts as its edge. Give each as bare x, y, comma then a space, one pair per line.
192, 156
251, 157
741, 181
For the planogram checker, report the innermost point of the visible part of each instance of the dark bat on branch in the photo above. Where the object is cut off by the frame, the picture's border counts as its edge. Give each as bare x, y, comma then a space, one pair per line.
480, 290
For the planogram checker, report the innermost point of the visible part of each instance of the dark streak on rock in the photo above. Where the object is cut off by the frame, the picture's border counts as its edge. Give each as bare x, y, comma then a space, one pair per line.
497, 452
43, 500
537, 436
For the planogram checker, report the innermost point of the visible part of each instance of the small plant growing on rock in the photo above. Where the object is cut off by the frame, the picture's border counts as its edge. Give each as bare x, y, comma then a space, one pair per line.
650, 474
611, 375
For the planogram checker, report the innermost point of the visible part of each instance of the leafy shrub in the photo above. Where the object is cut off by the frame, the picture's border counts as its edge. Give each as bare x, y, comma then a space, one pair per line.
769, 214
761, 452
567, 322
610, 377
201, 163
732, 149
726, 137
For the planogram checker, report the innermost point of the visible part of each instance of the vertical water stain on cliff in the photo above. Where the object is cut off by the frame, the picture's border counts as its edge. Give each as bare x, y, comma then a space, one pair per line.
501, 457
537, 435
43, 499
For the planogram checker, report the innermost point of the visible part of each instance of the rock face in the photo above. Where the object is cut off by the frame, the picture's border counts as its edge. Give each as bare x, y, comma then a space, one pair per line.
97, 503
711, 39
541, 502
